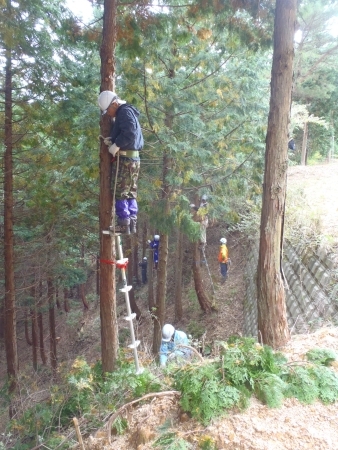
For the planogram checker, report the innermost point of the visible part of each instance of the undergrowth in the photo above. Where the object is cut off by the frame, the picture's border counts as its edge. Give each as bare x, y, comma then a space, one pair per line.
208, 390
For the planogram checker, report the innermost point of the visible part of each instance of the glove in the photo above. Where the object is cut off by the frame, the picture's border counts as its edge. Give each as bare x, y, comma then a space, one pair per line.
149, 242
107, 141
113, 149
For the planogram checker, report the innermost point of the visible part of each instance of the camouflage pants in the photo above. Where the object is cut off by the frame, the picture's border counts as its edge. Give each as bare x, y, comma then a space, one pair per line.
127, 176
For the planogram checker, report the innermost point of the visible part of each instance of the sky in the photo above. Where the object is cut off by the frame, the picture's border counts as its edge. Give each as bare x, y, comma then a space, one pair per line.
81, 8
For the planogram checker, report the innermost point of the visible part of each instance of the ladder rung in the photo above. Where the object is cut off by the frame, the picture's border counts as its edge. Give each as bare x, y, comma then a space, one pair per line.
137, 343
131, 317
122, 261
126, 289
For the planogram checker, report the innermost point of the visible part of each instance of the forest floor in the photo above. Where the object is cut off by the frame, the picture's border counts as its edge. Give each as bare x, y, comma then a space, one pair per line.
294, 426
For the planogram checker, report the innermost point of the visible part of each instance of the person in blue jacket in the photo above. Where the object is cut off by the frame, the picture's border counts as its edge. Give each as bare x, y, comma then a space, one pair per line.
171, 339
126, 140
154, 244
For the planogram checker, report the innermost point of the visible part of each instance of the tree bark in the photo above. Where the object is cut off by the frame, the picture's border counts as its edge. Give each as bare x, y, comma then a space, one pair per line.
160, 292
178, 277
202, 296
34, 338
40, 325
135, 259
83, 297
57, 299
304, 144
272, 322
52, 325
9, 301
163, 257
109, 329
65, 300
27, 336
41, 341
151, 278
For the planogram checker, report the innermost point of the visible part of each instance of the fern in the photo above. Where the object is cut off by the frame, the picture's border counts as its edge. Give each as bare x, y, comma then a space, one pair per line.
321, 356
327, 382
170, 441
203, 393
270, 390
301, 385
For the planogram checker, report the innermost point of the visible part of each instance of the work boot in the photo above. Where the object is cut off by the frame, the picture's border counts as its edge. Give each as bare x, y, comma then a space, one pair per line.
133, 221
123, 226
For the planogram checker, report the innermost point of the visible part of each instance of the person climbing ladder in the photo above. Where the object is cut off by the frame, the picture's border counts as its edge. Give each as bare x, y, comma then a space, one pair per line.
154, 244
124, 144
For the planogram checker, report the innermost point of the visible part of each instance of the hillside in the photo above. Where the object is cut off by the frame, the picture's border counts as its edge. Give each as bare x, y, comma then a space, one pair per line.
291, 427
294, 426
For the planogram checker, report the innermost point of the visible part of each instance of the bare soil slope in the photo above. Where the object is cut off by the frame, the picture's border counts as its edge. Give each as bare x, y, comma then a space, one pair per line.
294, 426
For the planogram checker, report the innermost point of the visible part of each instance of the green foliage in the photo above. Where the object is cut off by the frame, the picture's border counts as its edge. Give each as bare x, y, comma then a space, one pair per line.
246, 367
207, 443
85, 392
203, 392
321, 356
327, 382
300, 384
244, 360
195, 329
270, 390
170, 441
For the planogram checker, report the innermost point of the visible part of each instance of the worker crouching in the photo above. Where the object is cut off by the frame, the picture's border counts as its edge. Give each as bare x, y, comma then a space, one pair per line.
170, 346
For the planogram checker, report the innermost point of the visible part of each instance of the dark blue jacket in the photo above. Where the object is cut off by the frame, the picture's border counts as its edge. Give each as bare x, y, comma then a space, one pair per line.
126, 131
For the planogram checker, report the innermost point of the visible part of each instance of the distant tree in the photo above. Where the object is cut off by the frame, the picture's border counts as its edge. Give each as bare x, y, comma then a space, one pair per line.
272, 321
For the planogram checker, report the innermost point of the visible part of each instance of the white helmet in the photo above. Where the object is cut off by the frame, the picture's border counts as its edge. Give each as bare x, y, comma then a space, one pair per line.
204, 197
157, 237
144, 258
223, 241
106, 98
167, 332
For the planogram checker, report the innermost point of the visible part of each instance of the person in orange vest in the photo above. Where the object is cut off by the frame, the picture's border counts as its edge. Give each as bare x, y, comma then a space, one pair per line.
223, 259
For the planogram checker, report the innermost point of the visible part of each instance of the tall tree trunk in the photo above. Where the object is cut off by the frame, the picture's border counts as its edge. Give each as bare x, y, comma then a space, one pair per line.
35, 340
34, 329
9, 302
57, 299
136, 260
27, 336
202, 296
178, 277
109, 329
81, 287
66, 306
304, 144
98, 275
163, 259
41, 341
272, 322
160, 292
151, 278
40, 324
52, 325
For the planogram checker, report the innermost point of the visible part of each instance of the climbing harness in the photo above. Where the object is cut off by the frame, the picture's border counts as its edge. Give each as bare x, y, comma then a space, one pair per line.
122, 264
